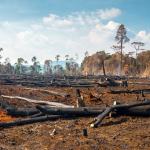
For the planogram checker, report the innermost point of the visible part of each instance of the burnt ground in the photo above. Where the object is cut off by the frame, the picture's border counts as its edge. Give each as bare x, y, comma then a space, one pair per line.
124, 132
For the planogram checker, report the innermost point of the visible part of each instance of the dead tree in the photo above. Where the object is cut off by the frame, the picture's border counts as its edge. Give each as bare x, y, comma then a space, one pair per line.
137, 46
79, 101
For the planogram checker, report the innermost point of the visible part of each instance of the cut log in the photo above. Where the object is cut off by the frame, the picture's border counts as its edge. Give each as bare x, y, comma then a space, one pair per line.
69, 111
50, 92
18, 112
28, 121
122, 108
52, 104
143, 111
22, 112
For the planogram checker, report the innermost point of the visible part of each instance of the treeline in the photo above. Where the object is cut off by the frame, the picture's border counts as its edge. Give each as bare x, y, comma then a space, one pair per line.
69, 67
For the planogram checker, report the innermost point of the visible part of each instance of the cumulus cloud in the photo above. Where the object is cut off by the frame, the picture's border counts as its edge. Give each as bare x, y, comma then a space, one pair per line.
81, 18
143, 35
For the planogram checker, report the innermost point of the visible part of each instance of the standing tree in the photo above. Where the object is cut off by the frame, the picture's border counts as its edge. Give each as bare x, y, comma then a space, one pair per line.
57, 57
103, 56
35, 68
121, 38
19, 68
86, 54
67, 57
48, 67
8, 68
1, 49
67, 69
137, 46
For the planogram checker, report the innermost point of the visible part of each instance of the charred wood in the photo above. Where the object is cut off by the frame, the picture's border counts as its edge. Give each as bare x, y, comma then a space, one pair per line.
125, 109
70, 111
28, 121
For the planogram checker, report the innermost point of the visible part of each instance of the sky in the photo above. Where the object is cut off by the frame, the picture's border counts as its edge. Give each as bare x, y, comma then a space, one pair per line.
45, 28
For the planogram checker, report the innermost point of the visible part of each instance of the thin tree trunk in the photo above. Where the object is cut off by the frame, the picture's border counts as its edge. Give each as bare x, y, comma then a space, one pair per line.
103, 64
121, 64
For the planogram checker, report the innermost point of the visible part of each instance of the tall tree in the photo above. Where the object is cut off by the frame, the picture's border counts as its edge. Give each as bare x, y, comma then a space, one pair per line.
35, 68
86, 54
103, 56
7, 67
48, 67
121, 38
137, 46
67, 67
67, 57
57, 57
19, 68
1, 49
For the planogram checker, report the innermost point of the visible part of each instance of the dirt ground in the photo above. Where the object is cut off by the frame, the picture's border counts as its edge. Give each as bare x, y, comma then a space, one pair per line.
122, 132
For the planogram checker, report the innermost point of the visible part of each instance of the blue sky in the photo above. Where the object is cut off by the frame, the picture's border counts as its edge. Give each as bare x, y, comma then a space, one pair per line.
133, 10
38, 19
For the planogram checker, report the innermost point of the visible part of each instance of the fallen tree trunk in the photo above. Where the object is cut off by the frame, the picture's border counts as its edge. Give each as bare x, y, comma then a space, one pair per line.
81, 111
28, 121
22, 112
50, 92
52, 104
121, 108
140, 83
144, 91
18, 112
143, 111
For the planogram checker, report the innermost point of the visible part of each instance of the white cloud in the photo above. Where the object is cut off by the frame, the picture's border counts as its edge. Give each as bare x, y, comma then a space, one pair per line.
109, 13
143, 35
111, 25
56, 21
81, 18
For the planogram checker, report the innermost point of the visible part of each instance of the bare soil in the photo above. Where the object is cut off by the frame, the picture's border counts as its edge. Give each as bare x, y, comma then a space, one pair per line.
122, 132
